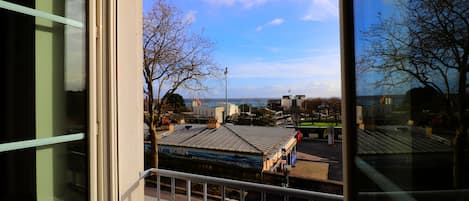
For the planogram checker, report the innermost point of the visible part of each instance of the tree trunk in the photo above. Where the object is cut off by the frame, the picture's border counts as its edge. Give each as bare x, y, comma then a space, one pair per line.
154, 134
154, 145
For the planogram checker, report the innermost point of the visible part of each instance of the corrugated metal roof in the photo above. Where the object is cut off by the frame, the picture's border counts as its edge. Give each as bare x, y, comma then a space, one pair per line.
394, 141
251, 139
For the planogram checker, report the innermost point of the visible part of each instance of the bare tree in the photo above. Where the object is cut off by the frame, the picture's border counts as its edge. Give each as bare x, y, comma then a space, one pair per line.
334, 104
311, 105
426, 43
174, 58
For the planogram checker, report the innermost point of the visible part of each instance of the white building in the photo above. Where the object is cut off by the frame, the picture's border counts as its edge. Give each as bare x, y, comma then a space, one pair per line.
212, 112
232, 108
288, 101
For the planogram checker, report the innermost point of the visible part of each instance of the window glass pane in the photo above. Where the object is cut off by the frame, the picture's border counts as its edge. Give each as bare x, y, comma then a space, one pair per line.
66, 173
43, 76
75, 71
17, 56
412, 99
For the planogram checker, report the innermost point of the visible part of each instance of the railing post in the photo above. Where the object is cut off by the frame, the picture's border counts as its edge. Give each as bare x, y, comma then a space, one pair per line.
158, 187
205, 191
173, 189
241, 193
188, 193
263, 196
222, 192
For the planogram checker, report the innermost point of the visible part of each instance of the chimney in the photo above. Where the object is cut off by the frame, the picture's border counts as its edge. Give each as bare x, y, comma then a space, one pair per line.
213, 123
182, 121
171, 128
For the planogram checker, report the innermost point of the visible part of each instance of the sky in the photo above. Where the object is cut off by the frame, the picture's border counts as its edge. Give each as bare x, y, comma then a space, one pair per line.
366, 16
270, 47
75, 47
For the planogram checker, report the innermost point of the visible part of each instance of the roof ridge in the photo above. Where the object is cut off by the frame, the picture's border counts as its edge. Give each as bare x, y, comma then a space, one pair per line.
190, 137
242, 138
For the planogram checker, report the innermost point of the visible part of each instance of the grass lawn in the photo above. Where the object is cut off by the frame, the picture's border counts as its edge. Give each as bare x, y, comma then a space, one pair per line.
319, 124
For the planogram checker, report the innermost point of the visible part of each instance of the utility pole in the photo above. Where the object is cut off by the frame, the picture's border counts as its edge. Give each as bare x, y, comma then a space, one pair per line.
226, 96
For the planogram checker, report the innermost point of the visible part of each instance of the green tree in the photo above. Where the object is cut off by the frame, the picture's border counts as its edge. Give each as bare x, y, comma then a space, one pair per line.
176, 102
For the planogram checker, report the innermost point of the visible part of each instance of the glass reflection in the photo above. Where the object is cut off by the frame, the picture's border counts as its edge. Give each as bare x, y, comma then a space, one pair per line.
43, 77
412, 98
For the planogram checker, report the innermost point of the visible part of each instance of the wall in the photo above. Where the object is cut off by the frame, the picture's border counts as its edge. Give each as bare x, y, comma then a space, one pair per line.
232, 108
206, 111
244, 160
129, 99
273, 159
285, 103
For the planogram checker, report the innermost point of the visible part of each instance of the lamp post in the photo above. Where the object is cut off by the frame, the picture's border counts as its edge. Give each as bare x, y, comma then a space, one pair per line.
226, 96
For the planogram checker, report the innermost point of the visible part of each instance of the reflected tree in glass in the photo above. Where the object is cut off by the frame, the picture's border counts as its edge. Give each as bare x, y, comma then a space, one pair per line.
426, 43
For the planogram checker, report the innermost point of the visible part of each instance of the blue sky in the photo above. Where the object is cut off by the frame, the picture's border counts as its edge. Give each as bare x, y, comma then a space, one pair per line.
270, 47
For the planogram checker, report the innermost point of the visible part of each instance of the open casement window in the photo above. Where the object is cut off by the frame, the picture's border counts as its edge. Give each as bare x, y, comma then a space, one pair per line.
43, 141
68, 132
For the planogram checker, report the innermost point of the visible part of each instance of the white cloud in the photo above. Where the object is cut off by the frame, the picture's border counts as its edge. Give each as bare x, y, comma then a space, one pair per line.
190, 16
322, 65
244, 3
221, 2
317, 76
322, 10
251, 3
276, 21
319, 88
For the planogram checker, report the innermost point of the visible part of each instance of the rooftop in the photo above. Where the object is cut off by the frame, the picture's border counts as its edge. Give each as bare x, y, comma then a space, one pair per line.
248, 139
399, 140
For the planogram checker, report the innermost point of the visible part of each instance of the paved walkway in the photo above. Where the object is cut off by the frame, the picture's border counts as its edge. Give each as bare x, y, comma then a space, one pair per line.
310, 170
308, 157
331, 153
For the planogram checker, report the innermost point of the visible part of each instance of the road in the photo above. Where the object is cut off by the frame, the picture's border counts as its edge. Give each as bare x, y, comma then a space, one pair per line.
321, 149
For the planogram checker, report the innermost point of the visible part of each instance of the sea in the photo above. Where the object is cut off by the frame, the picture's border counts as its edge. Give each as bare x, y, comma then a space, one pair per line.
211, 102
262, 102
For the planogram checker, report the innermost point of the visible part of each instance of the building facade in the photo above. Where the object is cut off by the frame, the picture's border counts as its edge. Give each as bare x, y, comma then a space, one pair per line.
209, 112
232, 108
290, 102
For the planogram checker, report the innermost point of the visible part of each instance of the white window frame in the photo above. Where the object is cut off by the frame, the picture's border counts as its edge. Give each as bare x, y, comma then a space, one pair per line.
115, 100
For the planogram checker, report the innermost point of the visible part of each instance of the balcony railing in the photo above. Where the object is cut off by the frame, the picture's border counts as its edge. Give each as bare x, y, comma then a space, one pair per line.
242, 186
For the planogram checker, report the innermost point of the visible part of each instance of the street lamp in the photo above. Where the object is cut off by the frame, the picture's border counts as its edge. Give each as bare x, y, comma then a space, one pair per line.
226, 96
